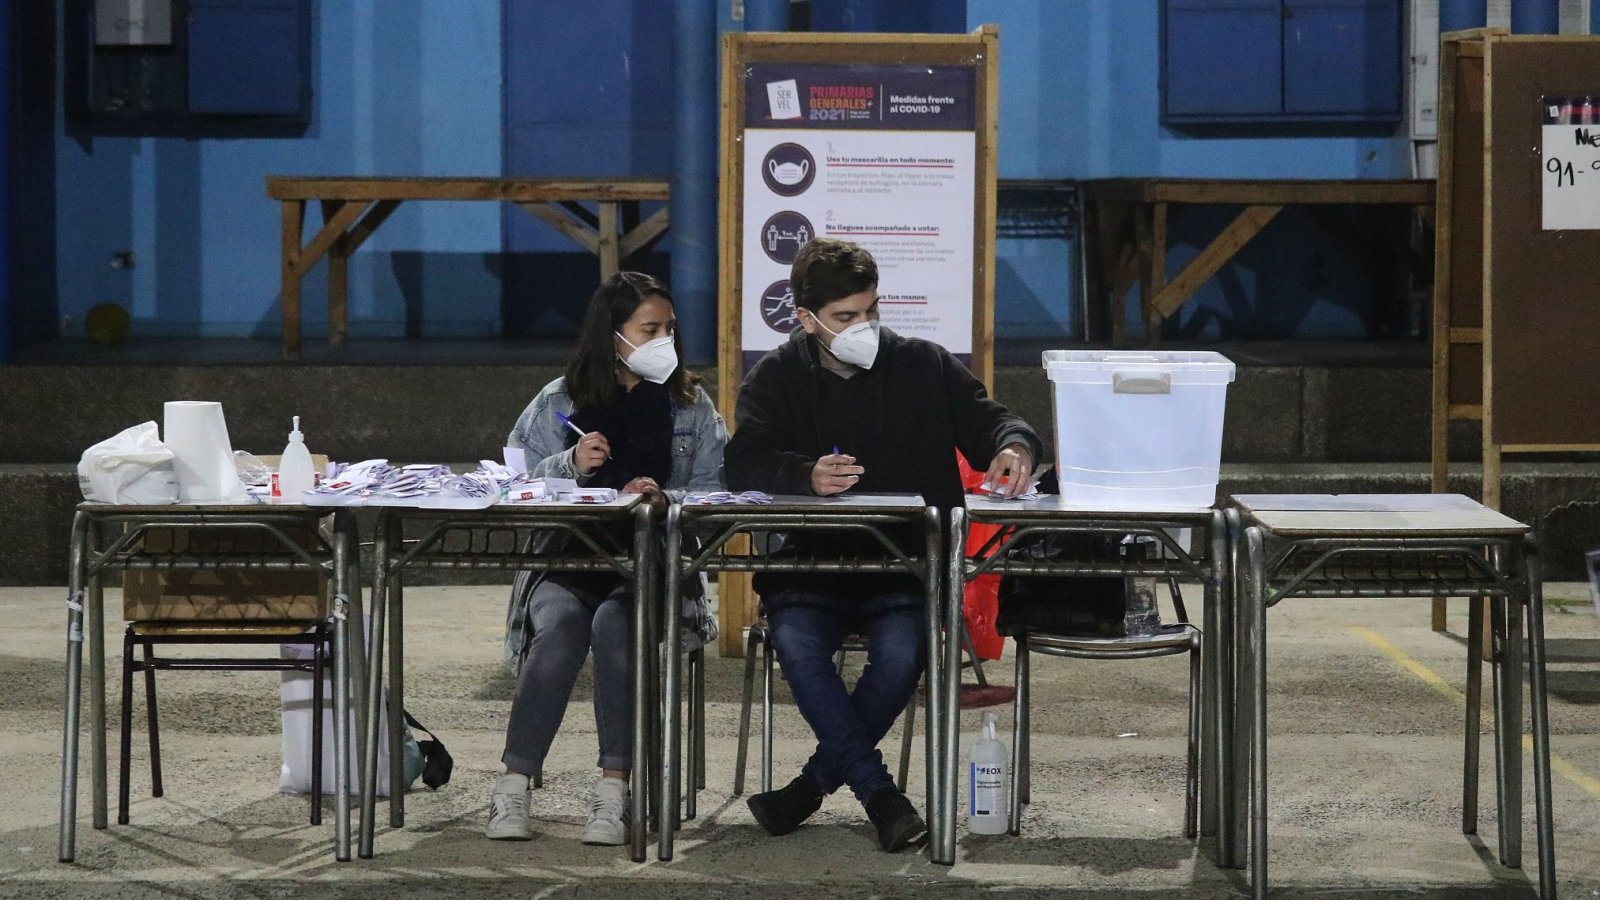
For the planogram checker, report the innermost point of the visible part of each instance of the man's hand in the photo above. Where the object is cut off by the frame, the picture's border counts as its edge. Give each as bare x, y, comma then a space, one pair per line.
647, 486
590, 453
835, 474
1013, 465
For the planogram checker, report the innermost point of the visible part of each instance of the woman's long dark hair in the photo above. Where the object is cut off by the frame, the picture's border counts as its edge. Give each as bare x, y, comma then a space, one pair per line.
592, 371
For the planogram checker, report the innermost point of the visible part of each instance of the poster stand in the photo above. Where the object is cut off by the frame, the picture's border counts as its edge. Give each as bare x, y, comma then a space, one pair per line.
1513, 313
909, 173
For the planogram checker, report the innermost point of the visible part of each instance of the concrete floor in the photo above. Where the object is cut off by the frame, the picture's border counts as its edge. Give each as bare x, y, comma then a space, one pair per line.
1365, 775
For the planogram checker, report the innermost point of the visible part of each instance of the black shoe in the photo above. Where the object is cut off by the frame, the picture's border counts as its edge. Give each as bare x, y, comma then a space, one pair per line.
896, 819
783, 810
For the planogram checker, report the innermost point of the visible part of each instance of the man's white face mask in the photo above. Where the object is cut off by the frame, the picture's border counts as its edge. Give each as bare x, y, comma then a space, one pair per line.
856, 345
654, 361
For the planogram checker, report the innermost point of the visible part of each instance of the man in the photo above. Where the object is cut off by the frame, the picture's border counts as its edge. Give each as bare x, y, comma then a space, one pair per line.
848, 406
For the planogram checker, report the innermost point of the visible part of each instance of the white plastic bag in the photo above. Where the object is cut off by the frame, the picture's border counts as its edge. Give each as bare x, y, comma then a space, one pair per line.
132, 467
294, 777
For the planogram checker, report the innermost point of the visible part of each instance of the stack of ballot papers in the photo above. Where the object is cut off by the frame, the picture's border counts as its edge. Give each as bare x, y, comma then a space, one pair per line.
374, 482
723, 498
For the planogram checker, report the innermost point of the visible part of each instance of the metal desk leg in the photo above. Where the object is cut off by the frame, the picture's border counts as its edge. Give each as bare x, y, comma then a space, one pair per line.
347, 613
346, 547
369, 772
1497, 679
77, 574
670, 732
933, 788
1210, 700
397, 684
1234, 753
1541, 723
1470, 755
1254, 612
950, 679
341, 729
95, 609
643, 594
1511, 685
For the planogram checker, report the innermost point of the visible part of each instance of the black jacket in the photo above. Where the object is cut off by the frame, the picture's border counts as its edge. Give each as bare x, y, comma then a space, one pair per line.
922, 406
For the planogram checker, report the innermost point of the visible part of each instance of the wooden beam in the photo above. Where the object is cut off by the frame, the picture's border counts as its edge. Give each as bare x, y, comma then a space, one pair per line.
563, 223
1219, 251
1464, 411
331, 231
293, 221
370, 222
513, 190
1157, 261
1262, 192
645, 233
1466, 335
610, 260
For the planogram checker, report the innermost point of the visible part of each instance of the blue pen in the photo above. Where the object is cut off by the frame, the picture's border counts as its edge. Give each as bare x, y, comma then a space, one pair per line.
568, 422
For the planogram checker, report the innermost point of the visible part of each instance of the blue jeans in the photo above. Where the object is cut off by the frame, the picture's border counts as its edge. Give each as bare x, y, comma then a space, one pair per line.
849, 723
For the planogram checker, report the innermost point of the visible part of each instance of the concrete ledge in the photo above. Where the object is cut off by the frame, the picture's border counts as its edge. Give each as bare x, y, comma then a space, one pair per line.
1277, 413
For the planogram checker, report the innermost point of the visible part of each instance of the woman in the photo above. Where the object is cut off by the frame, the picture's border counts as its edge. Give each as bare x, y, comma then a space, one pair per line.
648, 428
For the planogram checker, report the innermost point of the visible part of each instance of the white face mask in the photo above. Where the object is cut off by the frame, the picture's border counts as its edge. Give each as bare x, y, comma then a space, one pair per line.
654, 361
788, 173
856, 345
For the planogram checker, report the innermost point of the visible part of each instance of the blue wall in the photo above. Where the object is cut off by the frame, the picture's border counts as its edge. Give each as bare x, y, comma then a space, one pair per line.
413, 87
1079, 98
401, 87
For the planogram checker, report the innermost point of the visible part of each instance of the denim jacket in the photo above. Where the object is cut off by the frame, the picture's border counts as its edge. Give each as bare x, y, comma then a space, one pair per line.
698, 437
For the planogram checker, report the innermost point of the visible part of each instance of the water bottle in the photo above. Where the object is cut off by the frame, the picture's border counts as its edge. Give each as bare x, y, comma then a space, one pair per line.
1141, 615
988, 811
295, 472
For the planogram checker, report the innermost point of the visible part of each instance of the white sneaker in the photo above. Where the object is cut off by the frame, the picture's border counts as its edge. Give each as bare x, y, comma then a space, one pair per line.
608, 813
508, 809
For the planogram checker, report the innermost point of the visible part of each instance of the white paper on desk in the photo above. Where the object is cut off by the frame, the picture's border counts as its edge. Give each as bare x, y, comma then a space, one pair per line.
561, 485
516, 459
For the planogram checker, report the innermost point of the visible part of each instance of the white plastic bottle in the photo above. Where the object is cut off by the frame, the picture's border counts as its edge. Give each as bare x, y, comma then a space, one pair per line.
295, 473
988, 811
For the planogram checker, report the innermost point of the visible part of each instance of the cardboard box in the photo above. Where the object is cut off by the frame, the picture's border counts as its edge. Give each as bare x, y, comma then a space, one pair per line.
226, 595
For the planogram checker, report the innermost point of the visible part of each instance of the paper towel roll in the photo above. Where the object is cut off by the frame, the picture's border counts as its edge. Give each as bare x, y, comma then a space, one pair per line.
197, 433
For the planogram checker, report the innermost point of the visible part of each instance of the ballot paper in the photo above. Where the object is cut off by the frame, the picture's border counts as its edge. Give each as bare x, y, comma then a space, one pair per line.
725, 498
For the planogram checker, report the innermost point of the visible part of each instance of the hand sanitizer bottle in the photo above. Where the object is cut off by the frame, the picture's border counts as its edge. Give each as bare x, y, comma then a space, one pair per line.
988, 811
295, 473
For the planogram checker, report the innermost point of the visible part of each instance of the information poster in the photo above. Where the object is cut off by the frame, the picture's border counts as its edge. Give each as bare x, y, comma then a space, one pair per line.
1570, 159
882, 155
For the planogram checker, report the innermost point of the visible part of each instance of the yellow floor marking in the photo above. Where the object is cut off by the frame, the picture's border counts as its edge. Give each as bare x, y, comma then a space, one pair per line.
1436, 681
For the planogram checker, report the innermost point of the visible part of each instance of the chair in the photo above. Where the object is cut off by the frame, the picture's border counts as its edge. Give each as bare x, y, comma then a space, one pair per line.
758, 637
316, 634
1170, 640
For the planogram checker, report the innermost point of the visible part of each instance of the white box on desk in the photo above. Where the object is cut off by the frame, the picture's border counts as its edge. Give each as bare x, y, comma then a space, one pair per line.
1138, 430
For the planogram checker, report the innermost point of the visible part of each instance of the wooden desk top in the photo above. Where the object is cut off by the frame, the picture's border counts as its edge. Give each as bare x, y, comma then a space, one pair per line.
1272, 191
531, 190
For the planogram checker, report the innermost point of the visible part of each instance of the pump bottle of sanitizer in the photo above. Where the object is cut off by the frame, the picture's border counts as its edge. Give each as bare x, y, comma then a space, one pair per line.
295, 472
988, 809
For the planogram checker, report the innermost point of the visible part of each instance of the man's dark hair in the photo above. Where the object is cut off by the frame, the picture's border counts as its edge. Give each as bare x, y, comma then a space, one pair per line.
826, 270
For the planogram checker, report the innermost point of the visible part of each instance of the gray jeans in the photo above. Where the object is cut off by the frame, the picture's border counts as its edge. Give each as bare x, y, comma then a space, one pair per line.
569, 616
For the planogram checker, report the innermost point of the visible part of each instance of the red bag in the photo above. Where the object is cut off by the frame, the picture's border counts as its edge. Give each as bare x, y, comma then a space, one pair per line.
980, 604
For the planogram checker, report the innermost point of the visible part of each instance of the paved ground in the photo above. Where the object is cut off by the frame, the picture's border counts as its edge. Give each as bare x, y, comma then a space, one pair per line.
1365, 780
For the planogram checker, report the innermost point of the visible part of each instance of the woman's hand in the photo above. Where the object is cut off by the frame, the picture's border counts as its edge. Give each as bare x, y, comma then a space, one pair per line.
590, 453
835, 474
647, 486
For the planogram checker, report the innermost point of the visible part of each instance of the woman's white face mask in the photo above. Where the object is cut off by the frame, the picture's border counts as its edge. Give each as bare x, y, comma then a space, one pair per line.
654, 361
856, 345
